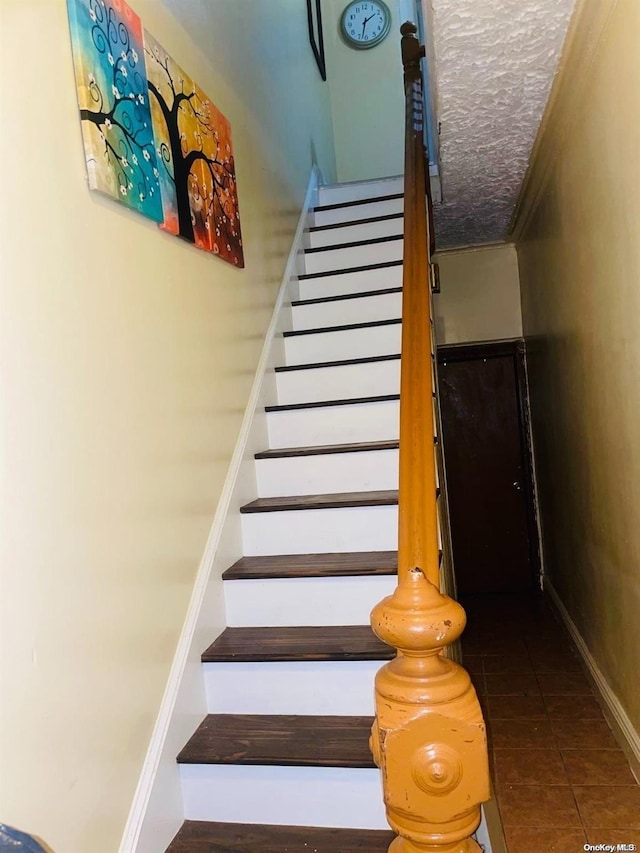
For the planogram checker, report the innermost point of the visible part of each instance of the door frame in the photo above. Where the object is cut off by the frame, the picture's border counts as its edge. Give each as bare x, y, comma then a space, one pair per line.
516, 349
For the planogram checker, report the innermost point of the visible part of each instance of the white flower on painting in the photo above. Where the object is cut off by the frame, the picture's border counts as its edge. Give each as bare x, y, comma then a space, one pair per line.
216, 249
123, 71
156, 173
146, 155
141, 99
134, 160
151, 191
134, 55
123, 190
123, 56
110, 58
130, 185
125, 162
92, 15
141, 196
115, 91
107, 123
207, 225
132, 96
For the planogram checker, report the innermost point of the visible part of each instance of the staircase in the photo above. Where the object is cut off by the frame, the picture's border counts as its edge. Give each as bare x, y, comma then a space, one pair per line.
282, 761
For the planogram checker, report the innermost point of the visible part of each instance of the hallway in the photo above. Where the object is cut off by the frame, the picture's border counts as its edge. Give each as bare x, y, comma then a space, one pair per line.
561, 779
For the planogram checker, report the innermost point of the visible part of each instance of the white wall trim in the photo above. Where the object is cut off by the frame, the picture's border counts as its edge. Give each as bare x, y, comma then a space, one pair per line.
617, 716
475, 247
148, 779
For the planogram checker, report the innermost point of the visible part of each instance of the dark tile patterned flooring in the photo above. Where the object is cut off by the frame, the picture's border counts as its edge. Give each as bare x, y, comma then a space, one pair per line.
561, 780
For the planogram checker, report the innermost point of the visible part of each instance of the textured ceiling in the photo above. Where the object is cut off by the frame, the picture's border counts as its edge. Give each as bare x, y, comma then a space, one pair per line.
495, 62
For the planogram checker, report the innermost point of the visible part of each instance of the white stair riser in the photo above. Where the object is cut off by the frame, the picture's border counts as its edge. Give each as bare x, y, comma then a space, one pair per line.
340, 193
298, 796
342, 344
327, 473
354, 256
363, 309
357, 211
293, 602
291, 687
353, 282
334, 424
371, 528
341, 382
366, 230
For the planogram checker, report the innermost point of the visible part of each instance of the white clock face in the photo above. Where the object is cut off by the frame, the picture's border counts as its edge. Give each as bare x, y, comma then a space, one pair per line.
365, 23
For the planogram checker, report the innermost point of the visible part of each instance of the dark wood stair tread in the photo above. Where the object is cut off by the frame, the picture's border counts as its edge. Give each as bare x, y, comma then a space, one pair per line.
342, 362
307, 643
359, 201
347, 327
387, 497
208, 837
282, 740
364, 268
325, 404
342, 297
366, 221
314, 565
322, 449
354, 244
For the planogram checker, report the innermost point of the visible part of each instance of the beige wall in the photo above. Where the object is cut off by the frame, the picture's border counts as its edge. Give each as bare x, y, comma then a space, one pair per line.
579, 250
126, 361
480, 295
367, 100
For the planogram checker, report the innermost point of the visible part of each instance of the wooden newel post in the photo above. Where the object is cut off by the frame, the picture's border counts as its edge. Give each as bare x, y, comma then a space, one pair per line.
429, 738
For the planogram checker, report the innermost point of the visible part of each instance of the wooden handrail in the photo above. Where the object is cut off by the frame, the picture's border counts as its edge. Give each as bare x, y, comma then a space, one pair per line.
429, 738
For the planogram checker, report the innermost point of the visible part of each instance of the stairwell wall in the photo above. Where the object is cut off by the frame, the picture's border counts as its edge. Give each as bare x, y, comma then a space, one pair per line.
579, 253
127, 360
479, 297
367, 100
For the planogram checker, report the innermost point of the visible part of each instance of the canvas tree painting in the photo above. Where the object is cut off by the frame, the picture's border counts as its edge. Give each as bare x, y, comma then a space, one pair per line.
195, 159
108, 50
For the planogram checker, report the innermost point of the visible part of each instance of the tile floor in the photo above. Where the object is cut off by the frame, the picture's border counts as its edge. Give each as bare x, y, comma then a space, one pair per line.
561, 780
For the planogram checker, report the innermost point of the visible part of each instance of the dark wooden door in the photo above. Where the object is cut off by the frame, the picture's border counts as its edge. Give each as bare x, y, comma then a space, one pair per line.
486, 461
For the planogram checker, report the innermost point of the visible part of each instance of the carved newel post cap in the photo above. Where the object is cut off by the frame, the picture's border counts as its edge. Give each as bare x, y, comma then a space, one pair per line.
408, 29
417, 617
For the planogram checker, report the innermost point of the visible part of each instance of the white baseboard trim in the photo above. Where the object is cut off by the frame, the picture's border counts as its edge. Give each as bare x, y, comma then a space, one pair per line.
623, 728
138, 837
490, 834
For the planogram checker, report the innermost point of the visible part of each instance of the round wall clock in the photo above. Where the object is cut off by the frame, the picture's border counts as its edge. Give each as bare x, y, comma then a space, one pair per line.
365, 23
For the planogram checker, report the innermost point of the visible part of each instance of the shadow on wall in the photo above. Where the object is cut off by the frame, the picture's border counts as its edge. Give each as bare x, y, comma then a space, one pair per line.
18, 842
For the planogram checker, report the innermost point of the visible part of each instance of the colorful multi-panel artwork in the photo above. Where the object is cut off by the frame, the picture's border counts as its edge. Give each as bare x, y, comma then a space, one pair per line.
197, 171
153, 140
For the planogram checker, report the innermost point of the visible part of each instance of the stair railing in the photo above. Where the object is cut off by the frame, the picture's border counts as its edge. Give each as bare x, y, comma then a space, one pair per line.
428, 738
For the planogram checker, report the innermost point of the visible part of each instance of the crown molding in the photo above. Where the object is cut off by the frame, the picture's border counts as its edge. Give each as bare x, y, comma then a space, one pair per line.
588, 24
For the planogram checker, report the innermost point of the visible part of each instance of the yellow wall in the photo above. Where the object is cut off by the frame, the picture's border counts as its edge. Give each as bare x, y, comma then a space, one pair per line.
579, 251
480, 295
127, 358
367, 100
